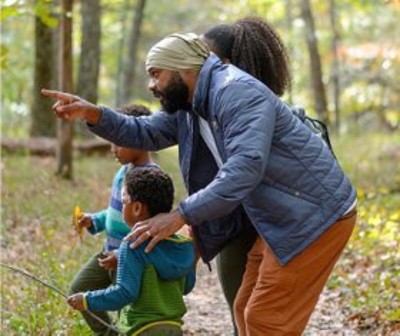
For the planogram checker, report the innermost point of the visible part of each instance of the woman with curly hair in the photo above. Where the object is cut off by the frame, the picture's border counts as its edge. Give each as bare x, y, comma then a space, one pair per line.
252, 45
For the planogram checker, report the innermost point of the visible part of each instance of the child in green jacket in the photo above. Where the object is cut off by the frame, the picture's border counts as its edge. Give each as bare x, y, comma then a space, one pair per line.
149, 286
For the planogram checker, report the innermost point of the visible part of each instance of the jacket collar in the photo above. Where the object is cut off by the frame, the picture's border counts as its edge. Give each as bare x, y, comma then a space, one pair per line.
200, 98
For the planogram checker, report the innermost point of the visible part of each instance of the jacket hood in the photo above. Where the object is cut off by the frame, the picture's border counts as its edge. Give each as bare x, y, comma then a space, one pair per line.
173, 257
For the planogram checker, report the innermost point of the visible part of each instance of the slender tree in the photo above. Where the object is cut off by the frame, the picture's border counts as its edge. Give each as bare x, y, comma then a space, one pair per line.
289, 24
130, 62
122, 39
89, 63
319, 91
335, 63
41, 123
64, 127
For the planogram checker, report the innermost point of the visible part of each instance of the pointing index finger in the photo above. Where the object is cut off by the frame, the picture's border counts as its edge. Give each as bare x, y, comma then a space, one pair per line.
62, 96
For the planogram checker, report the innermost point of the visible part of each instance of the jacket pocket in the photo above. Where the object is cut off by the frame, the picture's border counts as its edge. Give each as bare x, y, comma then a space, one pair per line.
297, 193
293, 192
281, 207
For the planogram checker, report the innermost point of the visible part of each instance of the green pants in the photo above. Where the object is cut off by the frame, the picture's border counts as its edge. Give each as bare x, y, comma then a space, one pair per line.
162, 330
92, 277
231, 264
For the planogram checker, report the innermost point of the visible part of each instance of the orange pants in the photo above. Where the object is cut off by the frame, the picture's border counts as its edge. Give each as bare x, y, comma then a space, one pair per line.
279, 300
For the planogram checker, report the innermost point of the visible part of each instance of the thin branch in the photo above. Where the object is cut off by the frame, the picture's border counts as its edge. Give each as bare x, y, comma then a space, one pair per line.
27, 274
46, 284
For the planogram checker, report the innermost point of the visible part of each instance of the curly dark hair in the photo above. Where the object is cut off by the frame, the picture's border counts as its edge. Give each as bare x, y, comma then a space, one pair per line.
133, 110
152, 187
253, 46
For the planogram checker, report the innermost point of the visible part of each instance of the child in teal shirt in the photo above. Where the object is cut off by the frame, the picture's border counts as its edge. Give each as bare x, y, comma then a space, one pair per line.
99, 271
149, 285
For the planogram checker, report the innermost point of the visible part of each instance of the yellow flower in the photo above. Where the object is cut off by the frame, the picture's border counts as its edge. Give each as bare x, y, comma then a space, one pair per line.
75, 221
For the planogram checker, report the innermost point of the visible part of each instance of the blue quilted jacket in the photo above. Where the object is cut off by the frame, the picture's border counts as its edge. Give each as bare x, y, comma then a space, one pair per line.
276, 171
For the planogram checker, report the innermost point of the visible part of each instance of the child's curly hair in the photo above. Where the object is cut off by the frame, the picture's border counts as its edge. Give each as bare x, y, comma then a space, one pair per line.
152, 187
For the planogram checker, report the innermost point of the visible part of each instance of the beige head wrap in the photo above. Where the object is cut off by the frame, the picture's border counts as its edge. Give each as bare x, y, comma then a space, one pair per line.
178, 52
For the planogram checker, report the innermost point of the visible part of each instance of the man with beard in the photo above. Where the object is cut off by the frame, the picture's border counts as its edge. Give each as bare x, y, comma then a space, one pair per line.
175, 95
246, 160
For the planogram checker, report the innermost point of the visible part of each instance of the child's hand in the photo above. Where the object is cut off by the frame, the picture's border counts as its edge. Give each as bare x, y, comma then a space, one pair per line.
108, 261
85, 221
76, 301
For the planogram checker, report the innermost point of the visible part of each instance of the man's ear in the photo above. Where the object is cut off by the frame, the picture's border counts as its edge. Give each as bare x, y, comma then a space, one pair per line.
189, 76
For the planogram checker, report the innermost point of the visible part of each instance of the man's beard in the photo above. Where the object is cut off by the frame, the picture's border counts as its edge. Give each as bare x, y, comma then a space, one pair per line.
175, 96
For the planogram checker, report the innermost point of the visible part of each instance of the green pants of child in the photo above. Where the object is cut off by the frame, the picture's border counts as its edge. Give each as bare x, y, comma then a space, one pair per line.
92, 277
161, 330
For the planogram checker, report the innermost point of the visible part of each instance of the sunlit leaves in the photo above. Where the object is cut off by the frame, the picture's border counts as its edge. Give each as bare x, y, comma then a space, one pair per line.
368, 276
45, 9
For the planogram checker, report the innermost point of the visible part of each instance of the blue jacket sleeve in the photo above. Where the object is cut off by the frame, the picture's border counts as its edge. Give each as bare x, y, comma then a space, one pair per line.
151, 133
126, 289
247, 123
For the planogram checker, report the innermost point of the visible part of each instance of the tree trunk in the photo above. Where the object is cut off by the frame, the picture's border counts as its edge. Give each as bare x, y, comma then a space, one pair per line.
89, 63
64, 127
42, 123
122, 39
289, 20
129, 69
320, 102
335, 64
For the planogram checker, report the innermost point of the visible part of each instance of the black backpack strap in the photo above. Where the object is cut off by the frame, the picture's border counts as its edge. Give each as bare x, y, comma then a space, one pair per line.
324, 131
316, 126
299, 112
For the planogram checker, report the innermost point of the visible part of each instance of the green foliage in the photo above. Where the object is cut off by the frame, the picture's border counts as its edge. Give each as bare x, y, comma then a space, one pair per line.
44, 9
367, 84
20, 8
368, 277
17, 71
10, 10
38, 236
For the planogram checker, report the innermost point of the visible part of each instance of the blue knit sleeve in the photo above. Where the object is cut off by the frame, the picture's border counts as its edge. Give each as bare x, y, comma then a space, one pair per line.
127, 287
